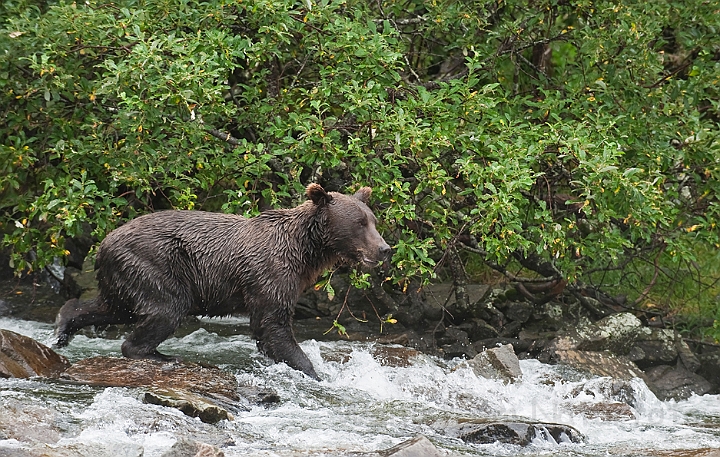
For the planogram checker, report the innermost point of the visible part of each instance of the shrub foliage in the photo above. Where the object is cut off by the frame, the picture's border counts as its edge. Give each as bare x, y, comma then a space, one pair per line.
552, 139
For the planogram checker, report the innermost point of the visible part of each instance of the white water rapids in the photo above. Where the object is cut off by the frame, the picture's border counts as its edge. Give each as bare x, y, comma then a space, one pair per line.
360, 406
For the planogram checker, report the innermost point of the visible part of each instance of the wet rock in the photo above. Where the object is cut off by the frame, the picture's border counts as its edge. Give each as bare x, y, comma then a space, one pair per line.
653, 346
258, 395
687, 357
23, 357
477, 329
190, 448
517, 433
599, 363
462, 350
677, 383
518, 311
605, 398
122, 372
455, 343
615, 333
26, 422
395, 356
419, 446
607, 411
519, 345
190, 404
497, 363
111, 446
608, 390
710, 367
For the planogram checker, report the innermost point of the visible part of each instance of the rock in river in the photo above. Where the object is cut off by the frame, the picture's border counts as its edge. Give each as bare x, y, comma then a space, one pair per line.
416, 447
23, 357
190, 404
198, 391
518, 433
675, 382
497, 363
122, 372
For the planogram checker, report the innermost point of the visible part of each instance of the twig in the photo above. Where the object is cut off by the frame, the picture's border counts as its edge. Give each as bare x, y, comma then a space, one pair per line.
503, 270
226, 137
686, 63
652, 281
704, 343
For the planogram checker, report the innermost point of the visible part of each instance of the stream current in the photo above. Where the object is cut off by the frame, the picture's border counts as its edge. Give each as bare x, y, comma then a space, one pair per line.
361, 405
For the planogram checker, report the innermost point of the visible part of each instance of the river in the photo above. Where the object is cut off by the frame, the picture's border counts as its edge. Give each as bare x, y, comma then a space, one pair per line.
361, 405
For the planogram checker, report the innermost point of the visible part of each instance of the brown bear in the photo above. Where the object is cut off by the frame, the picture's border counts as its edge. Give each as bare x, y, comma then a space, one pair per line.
161, 267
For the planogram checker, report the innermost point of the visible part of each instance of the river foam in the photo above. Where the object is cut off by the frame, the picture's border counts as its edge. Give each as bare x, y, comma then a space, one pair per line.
362, 404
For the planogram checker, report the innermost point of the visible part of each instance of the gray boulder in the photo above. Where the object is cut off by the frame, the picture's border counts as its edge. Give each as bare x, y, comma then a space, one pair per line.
668, 382
653, 346
623, 334
497, 363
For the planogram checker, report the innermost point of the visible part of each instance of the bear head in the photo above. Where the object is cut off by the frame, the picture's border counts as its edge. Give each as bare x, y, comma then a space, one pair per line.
349, 225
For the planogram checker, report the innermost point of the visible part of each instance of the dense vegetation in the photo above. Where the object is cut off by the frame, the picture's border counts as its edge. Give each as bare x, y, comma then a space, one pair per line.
567, 143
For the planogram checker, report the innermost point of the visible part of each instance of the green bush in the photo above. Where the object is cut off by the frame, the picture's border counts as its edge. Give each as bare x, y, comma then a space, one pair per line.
558, 139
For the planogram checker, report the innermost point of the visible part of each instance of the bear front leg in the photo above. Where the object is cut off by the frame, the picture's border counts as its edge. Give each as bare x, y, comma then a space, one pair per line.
75, 315
277, 341
281, 346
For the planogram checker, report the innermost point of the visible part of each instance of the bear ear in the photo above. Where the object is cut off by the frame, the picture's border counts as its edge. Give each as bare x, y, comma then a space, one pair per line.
317, 194
363, 194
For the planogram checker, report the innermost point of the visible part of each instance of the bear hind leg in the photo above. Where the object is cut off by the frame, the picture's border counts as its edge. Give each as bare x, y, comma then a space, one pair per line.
150, 331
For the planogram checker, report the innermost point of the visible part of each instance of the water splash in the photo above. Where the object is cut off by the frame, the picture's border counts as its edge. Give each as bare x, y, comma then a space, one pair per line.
364, 403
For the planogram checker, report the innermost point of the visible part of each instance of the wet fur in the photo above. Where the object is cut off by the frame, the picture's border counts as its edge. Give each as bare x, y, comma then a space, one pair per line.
161, 267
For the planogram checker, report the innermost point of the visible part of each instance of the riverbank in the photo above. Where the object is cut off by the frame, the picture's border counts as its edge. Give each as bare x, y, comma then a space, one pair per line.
582, 332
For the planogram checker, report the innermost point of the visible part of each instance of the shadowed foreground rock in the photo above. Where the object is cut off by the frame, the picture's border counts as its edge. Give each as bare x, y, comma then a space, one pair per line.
23, 357
518, 433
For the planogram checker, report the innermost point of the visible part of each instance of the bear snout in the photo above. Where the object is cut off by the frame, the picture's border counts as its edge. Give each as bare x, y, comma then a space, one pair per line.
385, 251
373, 258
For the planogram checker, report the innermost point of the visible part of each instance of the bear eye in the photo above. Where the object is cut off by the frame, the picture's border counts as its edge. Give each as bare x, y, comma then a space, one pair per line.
362, 222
